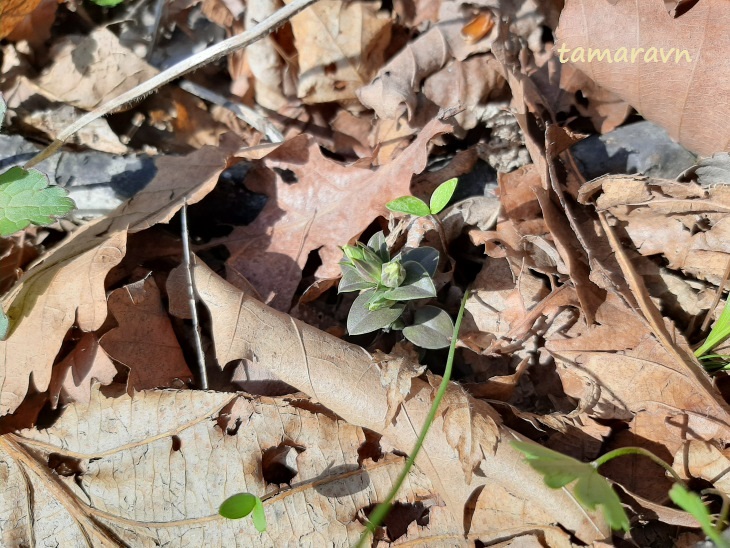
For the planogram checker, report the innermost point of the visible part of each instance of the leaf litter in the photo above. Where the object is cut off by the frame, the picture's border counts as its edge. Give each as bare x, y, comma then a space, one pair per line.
586, 304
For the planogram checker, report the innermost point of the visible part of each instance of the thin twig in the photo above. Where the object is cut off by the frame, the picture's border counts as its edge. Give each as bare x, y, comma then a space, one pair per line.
196, 61
191, 296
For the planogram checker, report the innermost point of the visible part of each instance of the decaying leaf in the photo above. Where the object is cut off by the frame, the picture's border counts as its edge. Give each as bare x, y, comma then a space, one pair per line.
341, 45
86, 71
12, 13
67, 287
659, 64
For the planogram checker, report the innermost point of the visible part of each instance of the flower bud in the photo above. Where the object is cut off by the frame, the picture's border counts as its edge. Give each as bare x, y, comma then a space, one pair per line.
377, 302
392, 274
353, 252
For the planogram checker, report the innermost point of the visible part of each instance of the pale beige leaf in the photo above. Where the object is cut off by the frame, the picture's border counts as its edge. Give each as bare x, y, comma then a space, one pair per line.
90, 70
154, 469
340, 45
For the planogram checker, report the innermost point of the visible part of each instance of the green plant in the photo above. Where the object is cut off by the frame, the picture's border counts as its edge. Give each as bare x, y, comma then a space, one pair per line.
386, 284
381, 510
241, 505
591, 489
692, 503
719, 332
25, 198
415, 206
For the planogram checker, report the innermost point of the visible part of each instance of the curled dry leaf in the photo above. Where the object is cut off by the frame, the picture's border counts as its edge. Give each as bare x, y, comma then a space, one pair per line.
341, 377
704, 460
67, 287
685, 97
397, 369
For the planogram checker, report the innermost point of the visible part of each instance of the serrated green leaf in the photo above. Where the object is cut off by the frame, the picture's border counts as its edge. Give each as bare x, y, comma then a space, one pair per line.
432, 328
427, 257
25, 198
351, 280
591, 488
379, 246
417, 285
361, 320
4, 325
409, 204
441, 196
3, 108
238, 506
692, 503
259, 517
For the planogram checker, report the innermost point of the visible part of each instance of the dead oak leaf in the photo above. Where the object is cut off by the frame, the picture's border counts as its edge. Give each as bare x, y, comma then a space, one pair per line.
144, 341
316, 204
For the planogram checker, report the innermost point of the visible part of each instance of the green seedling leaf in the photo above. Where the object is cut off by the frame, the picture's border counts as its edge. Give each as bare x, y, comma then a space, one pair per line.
591, 489
432, 328
409, 204
378, 245
441, 196
692, 503
238, 506
351, 280
720, 332
416, 285
427, 257
3, 108
25, 198
363, 320
258, 516
107, 3
378, 301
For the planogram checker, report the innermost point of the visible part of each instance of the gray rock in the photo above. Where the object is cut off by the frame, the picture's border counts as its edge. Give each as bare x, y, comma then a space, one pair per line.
643, 148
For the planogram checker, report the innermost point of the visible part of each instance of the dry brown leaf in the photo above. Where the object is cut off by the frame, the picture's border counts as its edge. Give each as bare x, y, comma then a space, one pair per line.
13, 12
341, 376
635, 377
155, 468
688, 224
686, 98
144, 340
67, 287
703, 460
340, 45
397, 369
316, 203
35, 27
71, 379
87, 71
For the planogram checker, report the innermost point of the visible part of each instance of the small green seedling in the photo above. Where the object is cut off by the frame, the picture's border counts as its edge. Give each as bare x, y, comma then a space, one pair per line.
386, 285
720, 331
415, 206
241, 505
107, 3
25, 198
591, 488
691, 502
